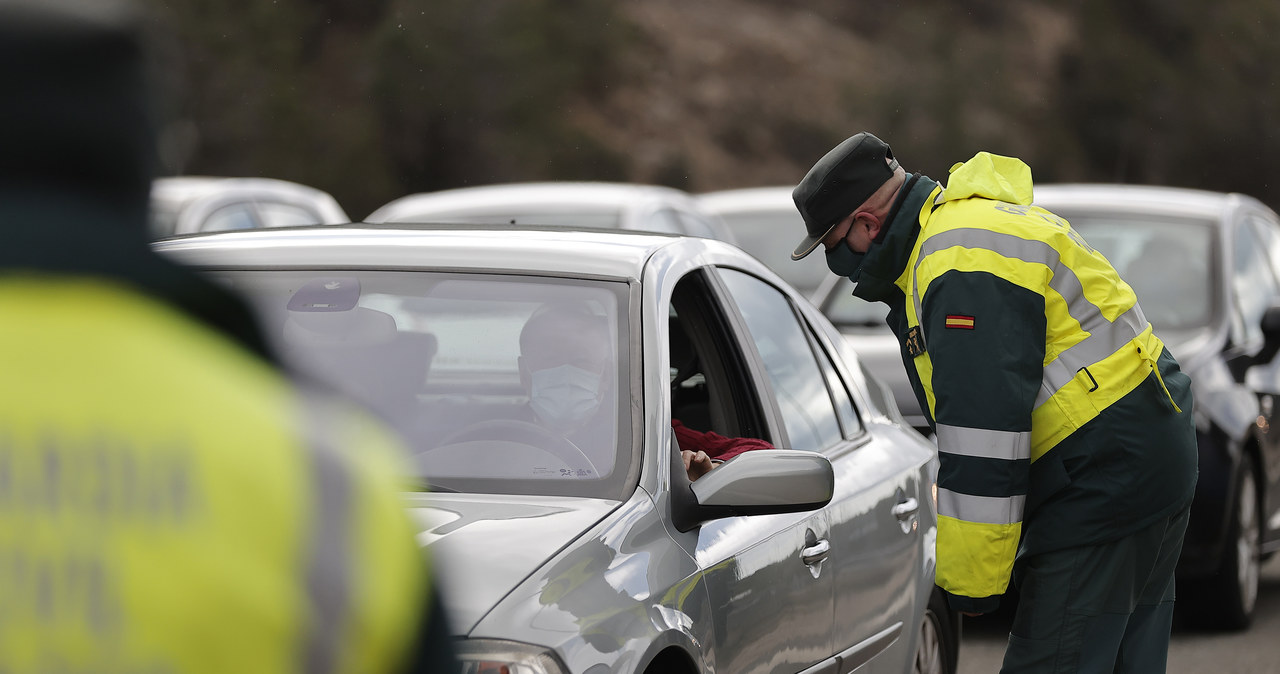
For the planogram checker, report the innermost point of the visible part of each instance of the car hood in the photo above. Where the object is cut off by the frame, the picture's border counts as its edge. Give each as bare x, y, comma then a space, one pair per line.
483, 545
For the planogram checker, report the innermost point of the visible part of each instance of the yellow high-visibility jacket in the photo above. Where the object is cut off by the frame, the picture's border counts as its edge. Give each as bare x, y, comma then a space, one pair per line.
1061, 419
169, 502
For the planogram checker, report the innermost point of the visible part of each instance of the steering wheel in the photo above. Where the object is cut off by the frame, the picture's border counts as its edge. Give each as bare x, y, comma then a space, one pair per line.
525, 433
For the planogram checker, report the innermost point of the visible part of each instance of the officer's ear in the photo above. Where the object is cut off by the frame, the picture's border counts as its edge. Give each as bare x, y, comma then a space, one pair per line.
870, 221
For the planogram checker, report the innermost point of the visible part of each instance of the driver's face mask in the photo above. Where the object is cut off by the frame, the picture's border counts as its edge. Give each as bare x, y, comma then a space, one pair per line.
564, 397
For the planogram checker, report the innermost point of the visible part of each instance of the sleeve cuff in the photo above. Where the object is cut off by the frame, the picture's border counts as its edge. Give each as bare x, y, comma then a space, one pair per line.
973, 604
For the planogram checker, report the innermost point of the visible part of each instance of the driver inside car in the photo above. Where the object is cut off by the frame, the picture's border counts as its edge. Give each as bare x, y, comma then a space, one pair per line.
566, 367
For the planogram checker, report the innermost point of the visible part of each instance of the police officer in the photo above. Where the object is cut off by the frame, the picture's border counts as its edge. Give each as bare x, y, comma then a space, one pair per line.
168, 501
1064, 426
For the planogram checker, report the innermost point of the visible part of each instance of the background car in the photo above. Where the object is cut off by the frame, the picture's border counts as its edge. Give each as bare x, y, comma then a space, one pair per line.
560, 204
818, 556
1206, 269
191, 204
765, 223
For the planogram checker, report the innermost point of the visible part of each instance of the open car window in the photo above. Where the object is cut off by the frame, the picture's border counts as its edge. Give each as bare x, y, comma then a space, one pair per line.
712, 388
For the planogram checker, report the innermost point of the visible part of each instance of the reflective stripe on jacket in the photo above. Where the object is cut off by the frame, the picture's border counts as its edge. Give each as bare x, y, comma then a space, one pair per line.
168, 502
1023, 334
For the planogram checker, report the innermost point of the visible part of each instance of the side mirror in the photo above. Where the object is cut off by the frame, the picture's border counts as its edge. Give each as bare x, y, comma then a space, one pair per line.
758, 482
1270, 334
1271, 322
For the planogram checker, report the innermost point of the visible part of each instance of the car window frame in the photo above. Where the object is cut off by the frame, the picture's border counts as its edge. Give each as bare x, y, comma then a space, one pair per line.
698, 298
818, 351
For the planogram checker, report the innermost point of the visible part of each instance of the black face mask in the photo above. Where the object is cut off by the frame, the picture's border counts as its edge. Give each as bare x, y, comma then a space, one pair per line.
844, 260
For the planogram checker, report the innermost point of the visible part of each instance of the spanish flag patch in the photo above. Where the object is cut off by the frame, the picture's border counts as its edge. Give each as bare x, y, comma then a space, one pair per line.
958, 321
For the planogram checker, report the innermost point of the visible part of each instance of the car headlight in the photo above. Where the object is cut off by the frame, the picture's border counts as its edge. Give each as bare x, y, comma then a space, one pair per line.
491, 656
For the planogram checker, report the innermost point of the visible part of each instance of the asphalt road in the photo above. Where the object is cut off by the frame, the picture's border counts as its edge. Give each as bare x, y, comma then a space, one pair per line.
1255, 651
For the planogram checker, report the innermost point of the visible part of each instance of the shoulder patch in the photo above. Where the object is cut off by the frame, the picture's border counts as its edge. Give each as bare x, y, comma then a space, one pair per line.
959, 321
914, 342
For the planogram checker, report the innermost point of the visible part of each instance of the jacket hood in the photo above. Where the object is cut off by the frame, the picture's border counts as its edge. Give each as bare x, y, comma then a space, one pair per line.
990, 176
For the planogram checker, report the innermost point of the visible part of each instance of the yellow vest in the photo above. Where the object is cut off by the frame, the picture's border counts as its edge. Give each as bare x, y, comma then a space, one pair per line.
1098, 347
170, 503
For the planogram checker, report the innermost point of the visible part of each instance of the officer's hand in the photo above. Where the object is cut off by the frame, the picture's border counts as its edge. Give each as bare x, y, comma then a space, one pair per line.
696, 464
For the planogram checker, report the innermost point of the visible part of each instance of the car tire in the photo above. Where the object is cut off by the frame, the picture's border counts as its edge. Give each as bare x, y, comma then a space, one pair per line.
1226, 600
938, 648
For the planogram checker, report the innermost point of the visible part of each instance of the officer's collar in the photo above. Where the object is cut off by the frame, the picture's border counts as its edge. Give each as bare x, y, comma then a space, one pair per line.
888, 254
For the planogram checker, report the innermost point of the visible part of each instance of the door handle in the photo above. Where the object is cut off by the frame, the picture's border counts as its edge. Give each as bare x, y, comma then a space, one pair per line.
815, 553
906, 508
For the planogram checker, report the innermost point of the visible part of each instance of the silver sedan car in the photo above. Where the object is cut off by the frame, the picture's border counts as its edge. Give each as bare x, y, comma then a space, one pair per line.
567, 533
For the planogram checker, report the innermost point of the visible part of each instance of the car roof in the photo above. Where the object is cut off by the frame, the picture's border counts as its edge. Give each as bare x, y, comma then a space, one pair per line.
1144, 199
747, 199
483, 198
189, 188
608, 254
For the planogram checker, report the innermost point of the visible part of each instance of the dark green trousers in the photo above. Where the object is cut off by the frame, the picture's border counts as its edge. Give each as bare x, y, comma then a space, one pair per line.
1104, 608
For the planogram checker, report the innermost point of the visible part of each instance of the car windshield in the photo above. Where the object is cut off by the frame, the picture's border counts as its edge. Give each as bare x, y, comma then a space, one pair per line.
1167, 262
500, 384
771, 236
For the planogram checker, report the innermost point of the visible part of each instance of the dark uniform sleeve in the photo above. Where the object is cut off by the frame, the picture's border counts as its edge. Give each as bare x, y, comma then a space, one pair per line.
985, 340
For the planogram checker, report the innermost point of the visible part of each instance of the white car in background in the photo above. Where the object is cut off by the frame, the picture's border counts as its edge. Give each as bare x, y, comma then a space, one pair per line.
192, 204
764, 222
572, 205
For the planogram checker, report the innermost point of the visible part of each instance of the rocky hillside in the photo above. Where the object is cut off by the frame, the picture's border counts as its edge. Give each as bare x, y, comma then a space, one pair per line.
372, 99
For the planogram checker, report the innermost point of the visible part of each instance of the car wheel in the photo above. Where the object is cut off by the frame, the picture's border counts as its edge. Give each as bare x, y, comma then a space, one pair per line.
939, 644
1226, 600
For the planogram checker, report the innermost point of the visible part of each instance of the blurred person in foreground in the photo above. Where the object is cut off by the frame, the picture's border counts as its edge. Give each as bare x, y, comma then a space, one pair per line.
168, 500
1063, 425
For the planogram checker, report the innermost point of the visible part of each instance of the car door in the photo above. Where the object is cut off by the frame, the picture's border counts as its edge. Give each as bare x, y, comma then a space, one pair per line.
766, 576
876, 548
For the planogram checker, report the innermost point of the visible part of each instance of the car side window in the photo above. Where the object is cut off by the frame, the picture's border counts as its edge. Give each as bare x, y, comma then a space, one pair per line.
664, 220
696, 226
1269, 231
712, 388
839, 394
1254, 283
785, 347
235, 216
278, 214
